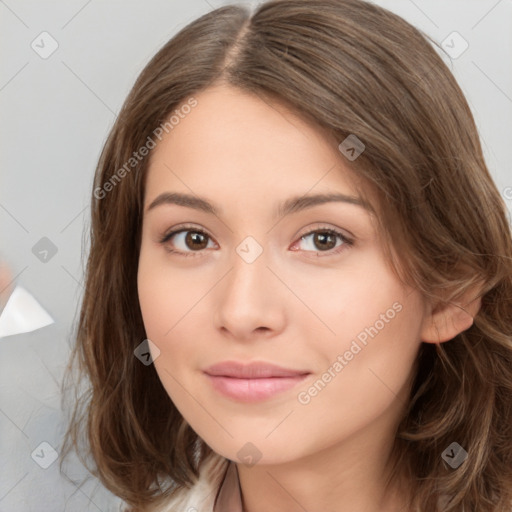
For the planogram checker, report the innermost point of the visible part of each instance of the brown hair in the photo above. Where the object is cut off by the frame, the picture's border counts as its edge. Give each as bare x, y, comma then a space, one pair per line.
350, 67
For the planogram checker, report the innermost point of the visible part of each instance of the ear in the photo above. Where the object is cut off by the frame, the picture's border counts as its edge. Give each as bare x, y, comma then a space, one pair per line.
447, 320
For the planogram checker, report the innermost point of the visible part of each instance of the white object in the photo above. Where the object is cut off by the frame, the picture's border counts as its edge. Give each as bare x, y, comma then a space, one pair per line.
22, 313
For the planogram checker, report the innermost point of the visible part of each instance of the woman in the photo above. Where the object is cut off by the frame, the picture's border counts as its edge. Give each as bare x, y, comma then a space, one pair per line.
299, 281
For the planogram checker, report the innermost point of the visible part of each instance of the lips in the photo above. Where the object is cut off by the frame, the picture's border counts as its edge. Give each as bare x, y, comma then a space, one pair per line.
255, 370
254, 381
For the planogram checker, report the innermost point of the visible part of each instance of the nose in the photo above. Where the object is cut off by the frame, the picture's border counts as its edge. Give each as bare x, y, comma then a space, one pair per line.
249, 301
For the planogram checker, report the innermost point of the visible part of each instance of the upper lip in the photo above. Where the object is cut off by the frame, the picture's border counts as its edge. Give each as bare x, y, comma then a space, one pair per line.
255, 370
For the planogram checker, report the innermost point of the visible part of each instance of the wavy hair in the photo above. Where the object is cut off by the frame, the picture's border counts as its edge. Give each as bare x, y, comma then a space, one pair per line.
349, 67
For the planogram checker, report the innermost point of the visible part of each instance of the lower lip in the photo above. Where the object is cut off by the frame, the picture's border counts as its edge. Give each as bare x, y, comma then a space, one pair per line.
253, 390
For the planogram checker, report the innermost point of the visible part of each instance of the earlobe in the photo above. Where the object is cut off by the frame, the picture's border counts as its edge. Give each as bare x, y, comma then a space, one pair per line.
448, 320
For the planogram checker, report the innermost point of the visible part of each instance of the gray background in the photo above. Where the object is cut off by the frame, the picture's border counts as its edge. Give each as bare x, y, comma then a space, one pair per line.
56, 114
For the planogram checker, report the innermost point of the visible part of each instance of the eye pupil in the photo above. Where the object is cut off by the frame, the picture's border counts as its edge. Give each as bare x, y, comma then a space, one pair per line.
193, 237
322, 239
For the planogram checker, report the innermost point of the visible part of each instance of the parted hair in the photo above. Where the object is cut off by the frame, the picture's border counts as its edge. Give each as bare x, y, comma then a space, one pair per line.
348, 67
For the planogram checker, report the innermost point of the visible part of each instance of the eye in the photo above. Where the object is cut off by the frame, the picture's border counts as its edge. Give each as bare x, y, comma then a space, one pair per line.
190, 240
324, 240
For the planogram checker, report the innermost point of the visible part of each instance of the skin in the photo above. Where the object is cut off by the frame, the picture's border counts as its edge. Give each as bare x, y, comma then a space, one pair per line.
5, 283
295, 305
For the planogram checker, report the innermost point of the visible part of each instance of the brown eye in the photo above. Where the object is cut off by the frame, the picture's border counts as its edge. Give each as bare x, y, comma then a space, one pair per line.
323, 240
196, 240
186, 241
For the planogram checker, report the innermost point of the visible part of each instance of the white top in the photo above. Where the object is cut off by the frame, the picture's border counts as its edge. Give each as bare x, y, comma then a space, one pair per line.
216, 490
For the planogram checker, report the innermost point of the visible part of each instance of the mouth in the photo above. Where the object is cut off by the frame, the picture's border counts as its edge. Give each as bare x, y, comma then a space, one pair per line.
252, 382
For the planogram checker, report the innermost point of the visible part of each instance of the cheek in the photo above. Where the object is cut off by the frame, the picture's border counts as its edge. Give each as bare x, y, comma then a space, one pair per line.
365, 370
166, 297
373, 357
167, 293
346, 299
374, 325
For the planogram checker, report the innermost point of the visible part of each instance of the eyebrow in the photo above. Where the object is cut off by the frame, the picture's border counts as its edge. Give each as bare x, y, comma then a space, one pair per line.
291, 205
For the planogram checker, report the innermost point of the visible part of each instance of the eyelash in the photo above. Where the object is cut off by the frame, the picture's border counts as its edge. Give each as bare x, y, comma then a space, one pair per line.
346, 241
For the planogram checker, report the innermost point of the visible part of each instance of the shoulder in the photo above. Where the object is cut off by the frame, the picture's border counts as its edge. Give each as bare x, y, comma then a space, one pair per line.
201, 496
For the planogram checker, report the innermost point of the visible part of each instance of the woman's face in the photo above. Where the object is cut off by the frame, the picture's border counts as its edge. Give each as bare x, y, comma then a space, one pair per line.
270, 277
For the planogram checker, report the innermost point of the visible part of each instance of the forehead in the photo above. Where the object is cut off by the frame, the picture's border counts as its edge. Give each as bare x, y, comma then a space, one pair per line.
236, 144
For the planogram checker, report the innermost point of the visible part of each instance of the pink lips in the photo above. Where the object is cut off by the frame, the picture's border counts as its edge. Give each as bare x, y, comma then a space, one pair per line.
254, 381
